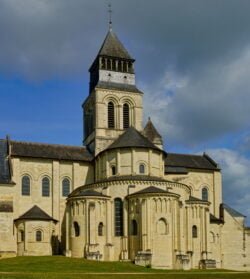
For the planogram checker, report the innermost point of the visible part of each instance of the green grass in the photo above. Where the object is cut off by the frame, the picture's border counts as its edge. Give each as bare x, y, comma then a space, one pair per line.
68, 268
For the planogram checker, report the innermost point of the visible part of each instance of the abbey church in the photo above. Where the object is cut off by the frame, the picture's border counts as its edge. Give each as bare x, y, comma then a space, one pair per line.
121, 196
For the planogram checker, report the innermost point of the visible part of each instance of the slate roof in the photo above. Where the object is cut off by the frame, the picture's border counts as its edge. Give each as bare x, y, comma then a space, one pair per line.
190, 161
150, 131
151, 190
132, 138
215, 220
232, 211
36, 213
133, 177
113, 47
176, 170
194, 199
118, 86
88, 193
50, 151
5, 174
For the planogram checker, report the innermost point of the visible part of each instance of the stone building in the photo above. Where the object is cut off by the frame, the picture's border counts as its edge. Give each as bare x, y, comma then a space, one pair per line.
120, 196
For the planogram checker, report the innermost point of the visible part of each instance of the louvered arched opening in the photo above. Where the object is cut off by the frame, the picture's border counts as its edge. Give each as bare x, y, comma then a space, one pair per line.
126, 119
111, 115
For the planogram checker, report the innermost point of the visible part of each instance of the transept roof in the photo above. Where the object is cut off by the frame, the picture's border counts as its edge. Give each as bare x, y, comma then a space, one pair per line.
190, 161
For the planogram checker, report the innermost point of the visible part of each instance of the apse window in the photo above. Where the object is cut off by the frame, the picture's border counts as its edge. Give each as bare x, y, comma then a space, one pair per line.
76, 229
38, 236
141, 168
100, 229
194, 232
134, 227
113, 170
21, 235
118, 217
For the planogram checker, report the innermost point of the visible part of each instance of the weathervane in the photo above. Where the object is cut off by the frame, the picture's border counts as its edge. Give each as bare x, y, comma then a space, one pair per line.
110, 16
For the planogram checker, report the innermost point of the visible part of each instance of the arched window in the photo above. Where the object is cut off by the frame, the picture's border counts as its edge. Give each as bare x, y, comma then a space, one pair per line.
111, 115
38, 236
126, 116
100, 229
134, 228
21, 235
118, 217
45, 187
113, 170
162, 226
141, 168
194, 232
204, 194
76, 229
25, 186
65, 187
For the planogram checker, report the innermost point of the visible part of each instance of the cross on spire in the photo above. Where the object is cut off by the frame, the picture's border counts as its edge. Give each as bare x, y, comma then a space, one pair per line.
110, 16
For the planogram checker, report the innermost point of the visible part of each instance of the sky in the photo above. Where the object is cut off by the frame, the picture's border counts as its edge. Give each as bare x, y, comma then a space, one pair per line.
192, 63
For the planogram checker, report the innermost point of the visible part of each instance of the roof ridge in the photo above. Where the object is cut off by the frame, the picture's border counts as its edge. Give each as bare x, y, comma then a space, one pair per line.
50, 144
185, 154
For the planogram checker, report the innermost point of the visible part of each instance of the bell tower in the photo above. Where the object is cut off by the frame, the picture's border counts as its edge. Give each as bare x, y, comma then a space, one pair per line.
114, 102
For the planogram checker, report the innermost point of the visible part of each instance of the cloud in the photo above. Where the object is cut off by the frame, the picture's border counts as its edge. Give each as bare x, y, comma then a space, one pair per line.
236, 178
203, 105
41, 39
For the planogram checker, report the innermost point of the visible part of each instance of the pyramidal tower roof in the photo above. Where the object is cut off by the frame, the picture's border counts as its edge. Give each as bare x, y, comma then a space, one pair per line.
132, 138
150, 131
113, 47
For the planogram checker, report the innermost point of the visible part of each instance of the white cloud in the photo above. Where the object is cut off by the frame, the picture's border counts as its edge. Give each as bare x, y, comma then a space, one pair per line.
236, 178
202, 105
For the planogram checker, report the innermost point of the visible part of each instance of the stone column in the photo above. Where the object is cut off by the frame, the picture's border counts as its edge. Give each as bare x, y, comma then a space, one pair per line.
56, 191
68, 236
149, 162
118, 162
149, 224
133, 162
92, 223
125, 229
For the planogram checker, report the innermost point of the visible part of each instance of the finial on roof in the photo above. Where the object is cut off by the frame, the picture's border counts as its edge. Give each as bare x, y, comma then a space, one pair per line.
110, 16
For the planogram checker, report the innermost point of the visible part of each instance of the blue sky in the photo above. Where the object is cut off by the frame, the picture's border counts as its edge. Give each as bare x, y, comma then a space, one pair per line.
192, 62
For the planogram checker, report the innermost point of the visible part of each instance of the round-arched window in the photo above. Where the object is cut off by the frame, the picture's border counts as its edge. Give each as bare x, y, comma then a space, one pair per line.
25, 186
45, 187
38, 236
65, 187
142, 169
204, 194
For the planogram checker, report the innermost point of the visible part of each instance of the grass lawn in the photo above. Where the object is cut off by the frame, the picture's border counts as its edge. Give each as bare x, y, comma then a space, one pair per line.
67, 268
